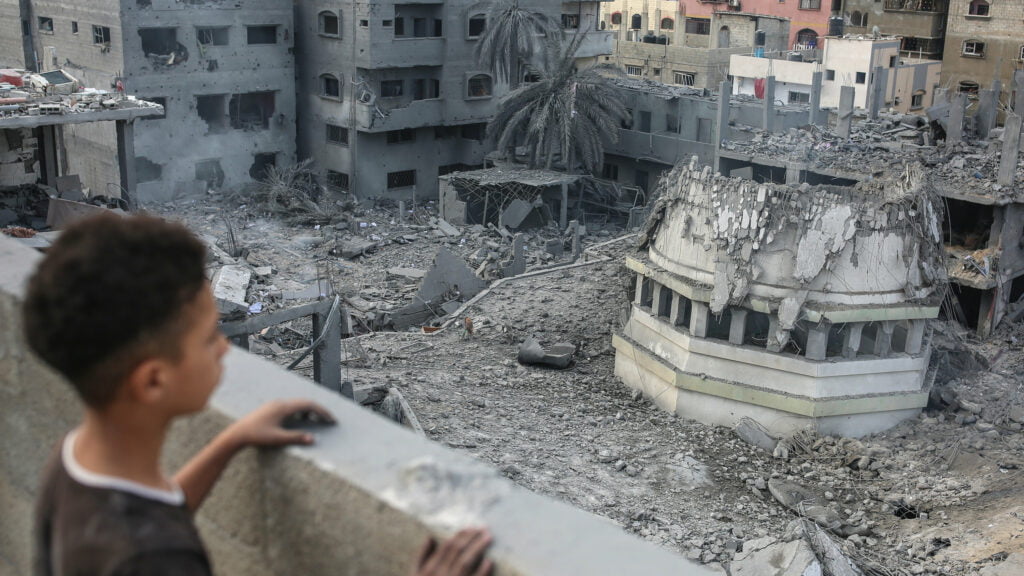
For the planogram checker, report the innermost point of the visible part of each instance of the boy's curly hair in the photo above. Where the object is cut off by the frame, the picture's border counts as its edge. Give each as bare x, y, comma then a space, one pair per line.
111, 292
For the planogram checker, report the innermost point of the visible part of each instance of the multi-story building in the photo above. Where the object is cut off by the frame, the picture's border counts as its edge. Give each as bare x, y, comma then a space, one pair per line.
392, 95
908, 83
983, 43
223, 71
690, 55
920, 24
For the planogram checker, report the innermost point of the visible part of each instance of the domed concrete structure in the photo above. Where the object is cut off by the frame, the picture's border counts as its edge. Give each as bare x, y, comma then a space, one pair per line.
791, 306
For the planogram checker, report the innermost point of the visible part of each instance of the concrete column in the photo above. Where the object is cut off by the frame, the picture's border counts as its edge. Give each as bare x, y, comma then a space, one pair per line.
518, 254
876, 98
955, 123
126, 158
1018, 86
792, 174
988, 107
563, 211
814, 117
738, 326
722, 120
1011, 149
577, 244
777, 339
698, 319
844, 118
817, 342
639, 298
678, 311
883, 338
851, 339
327, 356
915, 335
768, 111
678, 32
986, 312
656, 290
48, 147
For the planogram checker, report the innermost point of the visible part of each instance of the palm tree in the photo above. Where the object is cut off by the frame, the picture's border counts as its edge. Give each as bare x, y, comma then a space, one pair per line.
568, 113
514, 35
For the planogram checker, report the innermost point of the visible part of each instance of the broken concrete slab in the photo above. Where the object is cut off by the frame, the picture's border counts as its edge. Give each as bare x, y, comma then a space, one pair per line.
753, 433
230, 284
804, 502
354, 247
450, 279
1012, 566
443, 226
515, 213
769, 557
558, 355
62, 212
410, 273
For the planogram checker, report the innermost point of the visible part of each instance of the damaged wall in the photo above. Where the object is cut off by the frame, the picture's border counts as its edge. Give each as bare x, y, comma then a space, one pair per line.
818, 294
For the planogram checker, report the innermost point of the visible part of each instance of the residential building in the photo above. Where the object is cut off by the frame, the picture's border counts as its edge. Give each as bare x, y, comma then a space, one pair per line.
690, 54
984, 44
223, 71
392, 96
908, 84
920, 24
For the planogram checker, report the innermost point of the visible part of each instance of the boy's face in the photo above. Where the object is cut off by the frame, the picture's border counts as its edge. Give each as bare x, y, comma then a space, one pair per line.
196, 374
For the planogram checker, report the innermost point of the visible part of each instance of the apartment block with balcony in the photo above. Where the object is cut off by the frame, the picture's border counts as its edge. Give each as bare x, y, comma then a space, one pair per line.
392, 96
224, 73
921, 24
664, 42
983, 44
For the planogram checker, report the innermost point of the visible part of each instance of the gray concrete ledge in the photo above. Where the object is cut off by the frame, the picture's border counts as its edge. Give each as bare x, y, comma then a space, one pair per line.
359, 502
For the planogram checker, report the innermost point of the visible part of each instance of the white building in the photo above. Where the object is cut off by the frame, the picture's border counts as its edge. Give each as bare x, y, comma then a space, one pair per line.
908, 83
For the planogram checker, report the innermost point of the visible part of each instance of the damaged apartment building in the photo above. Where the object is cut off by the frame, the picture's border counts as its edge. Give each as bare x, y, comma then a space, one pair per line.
224, 72
392, 96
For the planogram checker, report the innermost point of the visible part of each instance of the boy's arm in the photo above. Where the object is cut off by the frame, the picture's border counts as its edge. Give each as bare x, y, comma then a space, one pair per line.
260, 428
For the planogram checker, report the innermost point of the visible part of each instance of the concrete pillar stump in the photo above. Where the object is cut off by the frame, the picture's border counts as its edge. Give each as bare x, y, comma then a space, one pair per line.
851, 339
915, 336
883, 338
817, 342
699, 319
738, 326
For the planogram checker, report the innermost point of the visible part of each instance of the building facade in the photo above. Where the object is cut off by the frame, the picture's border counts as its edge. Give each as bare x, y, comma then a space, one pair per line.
392, 96
908, 83
223, 71
920, 24
984, 43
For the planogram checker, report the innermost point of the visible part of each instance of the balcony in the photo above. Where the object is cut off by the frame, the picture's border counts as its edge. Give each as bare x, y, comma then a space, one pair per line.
596, 43
388, 52
416, 114
929, 6
360, 501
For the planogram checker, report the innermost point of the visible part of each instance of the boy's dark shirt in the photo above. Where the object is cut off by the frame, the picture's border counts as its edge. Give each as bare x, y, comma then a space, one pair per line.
96, 530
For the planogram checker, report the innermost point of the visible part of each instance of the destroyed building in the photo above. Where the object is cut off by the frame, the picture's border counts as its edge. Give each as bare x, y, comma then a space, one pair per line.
392, 95
223, 71
791, 305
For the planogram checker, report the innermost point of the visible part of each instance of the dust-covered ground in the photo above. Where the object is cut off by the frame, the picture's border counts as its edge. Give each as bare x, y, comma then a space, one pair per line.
941, 494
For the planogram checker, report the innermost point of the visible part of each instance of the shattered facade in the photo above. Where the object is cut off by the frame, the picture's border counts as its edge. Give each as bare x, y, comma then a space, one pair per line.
790, 305
392, 95
224, 72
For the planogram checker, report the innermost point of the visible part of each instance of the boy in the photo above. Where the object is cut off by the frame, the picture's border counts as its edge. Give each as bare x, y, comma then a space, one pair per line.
121, 307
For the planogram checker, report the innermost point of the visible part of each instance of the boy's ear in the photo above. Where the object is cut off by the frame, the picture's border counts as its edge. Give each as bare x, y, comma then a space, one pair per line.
148, 382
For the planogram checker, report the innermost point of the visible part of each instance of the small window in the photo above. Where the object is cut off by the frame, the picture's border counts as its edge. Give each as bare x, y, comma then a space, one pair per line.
978, 8
45, 25
830, 74
892, 61
1020, 54
570, 21
635, 70
479, 86
328, 24
636, 22
261, 34
364, 23
610, 171
667, 24
337, 181
616, 18
399, 26
862, 77
74, 27
974, 49
477, 25
330, 86
400, 136
810, 4
212, 36
402, 179
100, 35
917, 100
683, 78
474, 131
799, 97
656, 71
337, 135
672, 123
388, 23
390, 88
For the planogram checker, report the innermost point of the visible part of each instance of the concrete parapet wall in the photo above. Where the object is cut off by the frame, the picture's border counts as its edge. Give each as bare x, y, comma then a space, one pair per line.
358, 502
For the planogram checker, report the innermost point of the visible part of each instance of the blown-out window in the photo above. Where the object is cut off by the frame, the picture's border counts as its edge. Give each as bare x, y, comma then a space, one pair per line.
480, 86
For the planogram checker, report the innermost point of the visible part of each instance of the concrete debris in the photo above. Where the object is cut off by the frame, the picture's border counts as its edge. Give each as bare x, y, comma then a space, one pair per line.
559, 355
756, 435
408, 273
1013, 565
230, 284
449, 280
804, 503
353, 248
769, 557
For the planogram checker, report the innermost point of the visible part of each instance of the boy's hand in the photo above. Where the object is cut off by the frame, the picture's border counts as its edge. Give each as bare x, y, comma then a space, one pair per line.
460, 555
265, 425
